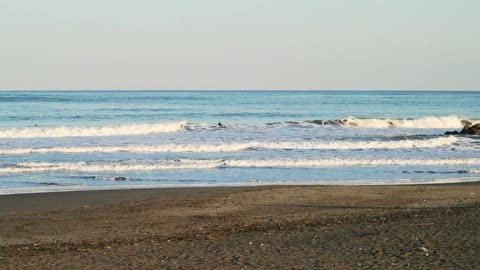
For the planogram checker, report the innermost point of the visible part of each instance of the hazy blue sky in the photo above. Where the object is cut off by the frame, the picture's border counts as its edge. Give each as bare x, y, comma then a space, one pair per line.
247, 44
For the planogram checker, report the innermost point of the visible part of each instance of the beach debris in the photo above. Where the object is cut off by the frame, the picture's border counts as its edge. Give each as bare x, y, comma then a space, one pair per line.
424, 249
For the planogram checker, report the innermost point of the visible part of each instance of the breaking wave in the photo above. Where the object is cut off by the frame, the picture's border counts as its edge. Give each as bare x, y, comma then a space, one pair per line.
451, 121
110, 166
25, 167
62, 131
233, 147
146, 128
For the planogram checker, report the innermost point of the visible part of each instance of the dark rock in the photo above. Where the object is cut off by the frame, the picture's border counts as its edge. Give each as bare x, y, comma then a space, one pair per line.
465, 128
473, 130
468, 129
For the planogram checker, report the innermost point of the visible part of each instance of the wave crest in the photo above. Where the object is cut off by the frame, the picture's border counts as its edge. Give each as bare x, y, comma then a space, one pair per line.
432, 122
32, 167
234, 147
62, 131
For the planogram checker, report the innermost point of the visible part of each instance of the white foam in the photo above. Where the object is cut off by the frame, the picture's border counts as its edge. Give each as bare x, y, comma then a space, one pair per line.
428, 122
424, 122
109, 166
338, 162
233, 147
62, 131
26, 167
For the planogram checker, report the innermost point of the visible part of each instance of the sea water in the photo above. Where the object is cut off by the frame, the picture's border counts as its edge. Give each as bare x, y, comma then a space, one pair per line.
69, 140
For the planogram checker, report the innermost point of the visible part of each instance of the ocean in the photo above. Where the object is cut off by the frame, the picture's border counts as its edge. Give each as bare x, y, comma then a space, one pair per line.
79, 140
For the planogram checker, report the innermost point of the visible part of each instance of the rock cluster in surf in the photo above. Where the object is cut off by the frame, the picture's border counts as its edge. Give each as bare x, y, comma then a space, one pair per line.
468, 129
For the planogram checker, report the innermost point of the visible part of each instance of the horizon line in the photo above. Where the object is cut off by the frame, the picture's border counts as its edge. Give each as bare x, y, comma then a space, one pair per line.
256, 90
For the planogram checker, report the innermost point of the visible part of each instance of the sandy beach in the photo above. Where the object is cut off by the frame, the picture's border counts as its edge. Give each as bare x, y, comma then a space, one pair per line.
272, 227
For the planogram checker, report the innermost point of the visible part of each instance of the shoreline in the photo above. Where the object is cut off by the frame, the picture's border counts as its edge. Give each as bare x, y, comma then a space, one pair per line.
397, 182
420, 226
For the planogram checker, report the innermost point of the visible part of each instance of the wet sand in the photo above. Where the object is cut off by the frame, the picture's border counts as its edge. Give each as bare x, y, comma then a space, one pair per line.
280, 227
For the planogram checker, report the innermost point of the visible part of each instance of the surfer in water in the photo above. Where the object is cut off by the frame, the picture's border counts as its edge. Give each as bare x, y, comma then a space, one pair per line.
219, 124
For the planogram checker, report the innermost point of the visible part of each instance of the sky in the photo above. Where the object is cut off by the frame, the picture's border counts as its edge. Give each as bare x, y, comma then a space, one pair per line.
241, 45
